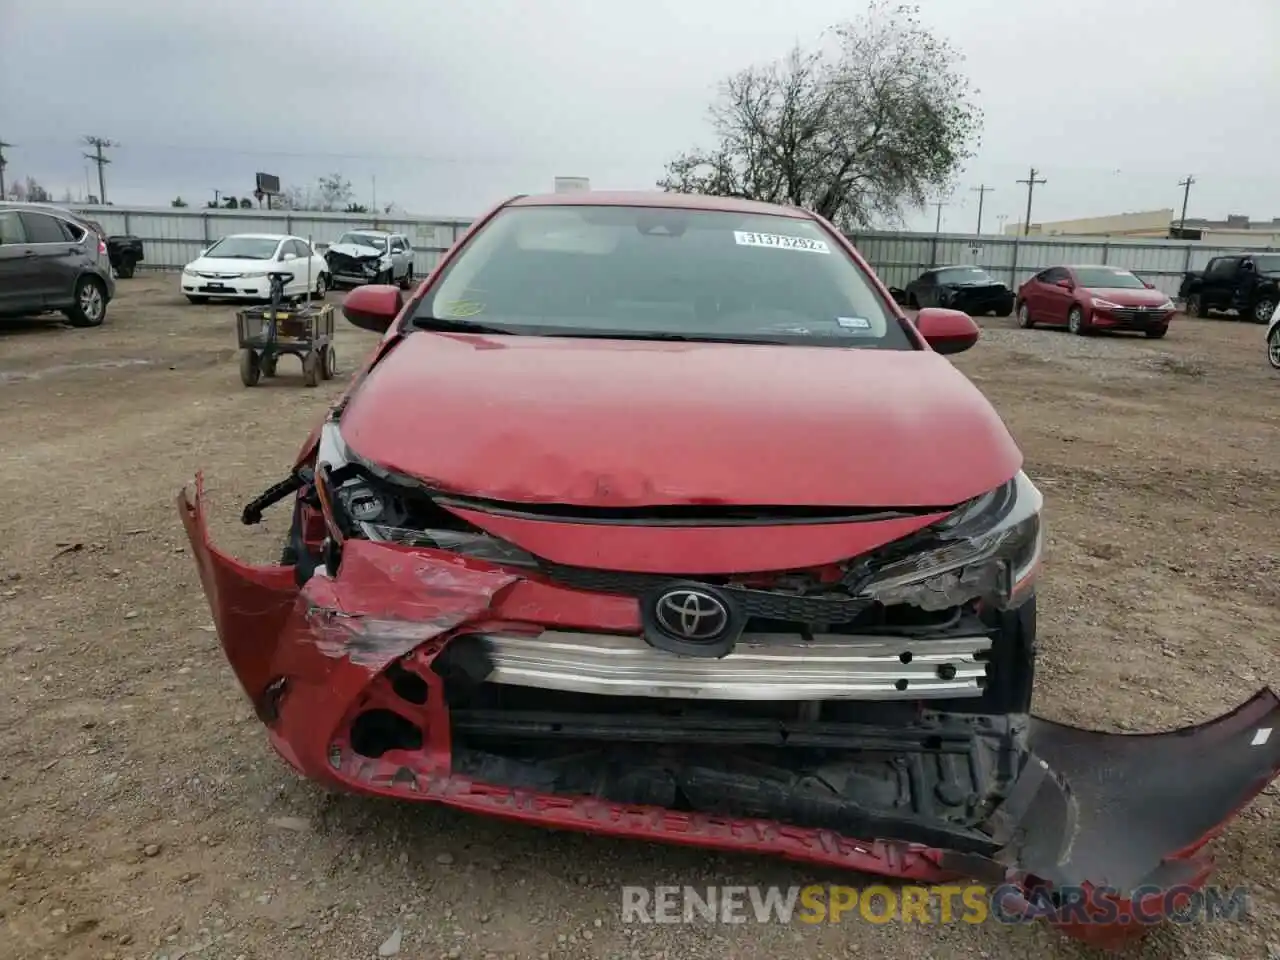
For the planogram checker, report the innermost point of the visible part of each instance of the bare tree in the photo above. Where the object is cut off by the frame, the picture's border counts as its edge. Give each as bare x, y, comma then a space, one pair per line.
28, 190
871, 124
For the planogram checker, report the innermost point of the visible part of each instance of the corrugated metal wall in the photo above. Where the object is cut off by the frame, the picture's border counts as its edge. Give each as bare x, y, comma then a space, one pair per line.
901, 257
174, 237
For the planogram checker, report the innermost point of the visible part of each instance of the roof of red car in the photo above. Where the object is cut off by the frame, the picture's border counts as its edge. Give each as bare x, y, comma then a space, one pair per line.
657, 198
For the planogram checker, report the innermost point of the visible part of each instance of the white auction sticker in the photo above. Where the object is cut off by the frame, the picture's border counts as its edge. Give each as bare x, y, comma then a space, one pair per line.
854, 323
745, 239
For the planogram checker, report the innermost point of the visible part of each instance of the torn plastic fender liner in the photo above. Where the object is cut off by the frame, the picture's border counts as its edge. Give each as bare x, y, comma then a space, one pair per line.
386, 601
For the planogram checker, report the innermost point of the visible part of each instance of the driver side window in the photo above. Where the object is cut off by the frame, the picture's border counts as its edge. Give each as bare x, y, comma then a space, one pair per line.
11, 228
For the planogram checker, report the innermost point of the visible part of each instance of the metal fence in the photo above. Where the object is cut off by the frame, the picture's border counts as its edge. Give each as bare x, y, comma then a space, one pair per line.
901, 257
175, 237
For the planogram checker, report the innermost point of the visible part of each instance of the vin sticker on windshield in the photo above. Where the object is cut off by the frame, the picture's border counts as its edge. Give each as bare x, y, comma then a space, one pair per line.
854, 323
745, 239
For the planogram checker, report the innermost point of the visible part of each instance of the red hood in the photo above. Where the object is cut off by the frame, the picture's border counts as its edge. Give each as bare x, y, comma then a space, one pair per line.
637, 423
1128, 297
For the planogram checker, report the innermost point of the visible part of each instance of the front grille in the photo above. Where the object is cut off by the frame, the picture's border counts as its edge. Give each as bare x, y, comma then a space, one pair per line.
1137, 314
830, 607
341, 263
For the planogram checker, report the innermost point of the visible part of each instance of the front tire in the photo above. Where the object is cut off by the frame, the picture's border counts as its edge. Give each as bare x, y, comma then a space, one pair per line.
90, 307
1197, 307
1076, 322
1273, 348
198, 301
322, 287
125, 271
1024, 316
407, 280
1262, 310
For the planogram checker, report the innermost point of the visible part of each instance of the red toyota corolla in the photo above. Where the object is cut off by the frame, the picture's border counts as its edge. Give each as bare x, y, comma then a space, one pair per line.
653, 516
1085, 299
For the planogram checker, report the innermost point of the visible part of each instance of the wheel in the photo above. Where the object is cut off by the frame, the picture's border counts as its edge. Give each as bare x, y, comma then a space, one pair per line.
311, 369
1262, 310
407, 280
1005, 311
322, 287
1024, 316
1273, 348
197, 300
268, 365
125, 271
1155, 333
1196, 306
1076, 322
913, 301
250, 368
328, 363
91, 303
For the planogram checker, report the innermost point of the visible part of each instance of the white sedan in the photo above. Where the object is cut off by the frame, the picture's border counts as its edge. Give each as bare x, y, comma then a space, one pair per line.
236, 267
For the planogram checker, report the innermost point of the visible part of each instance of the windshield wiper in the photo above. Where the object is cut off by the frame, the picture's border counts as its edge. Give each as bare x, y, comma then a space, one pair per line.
446, 325
664, 336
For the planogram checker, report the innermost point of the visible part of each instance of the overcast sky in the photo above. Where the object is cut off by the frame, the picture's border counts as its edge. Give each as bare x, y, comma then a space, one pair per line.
452, 106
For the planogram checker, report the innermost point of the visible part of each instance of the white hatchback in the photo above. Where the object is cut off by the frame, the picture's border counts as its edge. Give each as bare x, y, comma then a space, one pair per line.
236, 268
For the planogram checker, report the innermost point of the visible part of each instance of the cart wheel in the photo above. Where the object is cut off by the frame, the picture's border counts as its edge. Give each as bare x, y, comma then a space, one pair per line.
268, 365
250, 368
328, 363
311, 369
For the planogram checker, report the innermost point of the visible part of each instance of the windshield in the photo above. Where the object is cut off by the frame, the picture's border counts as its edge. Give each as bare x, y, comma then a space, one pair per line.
243, 248
1108, 278
364, 240
964, 275
1267, 264
660, 273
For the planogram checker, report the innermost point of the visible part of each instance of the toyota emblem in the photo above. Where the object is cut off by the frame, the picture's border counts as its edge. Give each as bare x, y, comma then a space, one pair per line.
691, 615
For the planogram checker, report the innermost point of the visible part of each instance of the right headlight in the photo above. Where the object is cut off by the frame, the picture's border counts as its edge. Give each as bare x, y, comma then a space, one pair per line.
988, 549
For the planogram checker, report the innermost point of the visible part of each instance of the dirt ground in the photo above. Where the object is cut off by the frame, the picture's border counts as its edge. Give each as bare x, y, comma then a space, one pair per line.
144, 816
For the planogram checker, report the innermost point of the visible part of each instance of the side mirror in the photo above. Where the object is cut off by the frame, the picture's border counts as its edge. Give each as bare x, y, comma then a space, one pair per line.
1148, 284
1065, 284
373, 307
947, 331
289, 256
203, 251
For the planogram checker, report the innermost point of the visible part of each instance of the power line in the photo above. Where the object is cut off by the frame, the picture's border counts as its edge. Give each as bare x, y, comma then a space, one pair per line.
1186, 194
1031, 182
3, 163
99, 144
981, 190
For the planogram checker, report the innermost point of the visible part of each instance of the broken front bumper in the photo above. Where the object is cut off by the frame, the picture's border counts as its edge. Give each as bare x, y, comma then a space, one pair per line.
336, 668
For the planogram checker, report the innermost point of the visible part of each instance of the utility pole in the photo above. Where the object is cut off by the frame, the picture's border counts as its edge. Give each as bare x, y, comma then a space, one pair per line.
1031, 182
3, 145
99, 144
1182, 220
939, 204
982, 190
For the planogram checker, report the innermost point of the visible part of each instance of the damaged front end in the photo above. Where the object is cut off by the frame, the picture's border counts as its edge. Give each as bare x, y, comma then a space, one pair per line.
870, 713
355, 265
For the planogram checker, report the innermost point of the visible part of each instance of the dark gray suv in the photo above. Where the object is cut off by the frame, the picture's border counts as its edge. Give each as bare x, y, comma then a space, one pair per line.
51, 260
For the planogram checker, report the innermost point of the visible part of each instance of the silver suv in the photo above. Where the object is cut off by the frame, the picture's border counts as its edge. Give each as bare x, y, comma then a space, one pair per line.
52, 260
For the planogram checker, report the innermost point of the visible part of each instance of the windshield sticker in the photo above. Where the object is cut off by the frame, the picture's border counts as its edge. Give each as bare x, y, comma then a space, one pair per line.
463, 308
854, 323
744, 239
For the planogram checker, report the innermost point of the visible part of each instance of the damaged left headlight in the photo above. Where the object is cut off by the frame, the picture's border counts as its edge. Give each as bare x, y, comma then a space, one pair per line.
393, 513
989, 550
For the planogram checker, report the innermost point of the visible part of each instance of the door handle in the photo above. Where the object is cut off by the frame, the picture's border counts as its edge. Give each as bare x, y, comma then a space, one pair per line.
28, 253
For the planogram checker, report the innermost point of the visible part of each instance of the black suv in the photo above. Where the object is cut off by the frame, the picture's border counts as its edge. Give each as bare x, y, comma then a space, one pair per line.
1248, 283
51, 260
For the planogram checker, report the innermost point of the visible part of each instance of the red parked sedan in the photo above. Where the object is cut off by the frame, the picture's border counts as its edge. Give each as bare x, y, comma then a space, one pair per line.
1089, 298
653, 516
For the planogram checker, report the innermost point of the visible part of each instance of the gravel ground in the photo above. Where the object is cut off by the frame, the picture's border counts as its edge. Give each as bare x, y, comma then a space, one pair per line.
144, 815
